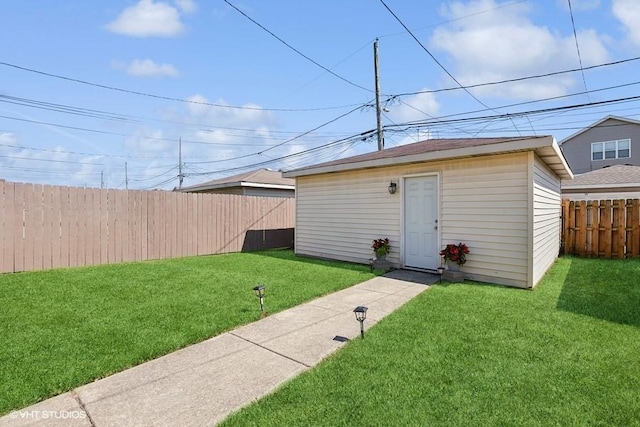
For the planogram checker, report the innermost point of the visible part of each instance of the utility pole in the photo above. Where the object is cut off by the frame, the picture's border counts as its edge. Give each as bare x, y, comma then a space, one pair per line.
378, 106
101, 179
126, 177
180, 174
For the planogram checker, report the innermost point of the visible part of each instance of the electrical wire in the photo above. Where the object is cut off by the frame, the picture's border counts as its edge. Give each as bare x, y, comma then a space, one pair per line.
285, 142
575, 37
296, 50
519, 79
431, 55
167, 98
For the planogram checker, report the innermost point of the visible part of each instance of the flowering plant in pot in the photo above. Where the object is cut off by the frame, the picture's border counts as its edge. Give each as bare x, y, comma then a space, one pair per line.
381, 247
455, 254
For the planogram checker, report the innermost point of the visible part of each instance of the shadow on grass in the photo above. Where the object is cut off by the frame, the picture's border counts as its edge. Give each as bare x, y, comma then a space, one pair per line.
603, 288
288, 255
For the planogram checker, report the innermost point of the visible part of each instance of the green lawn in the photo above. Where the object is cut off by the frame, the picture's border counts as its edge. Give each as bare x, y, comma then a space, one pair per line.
567, 353
63, 328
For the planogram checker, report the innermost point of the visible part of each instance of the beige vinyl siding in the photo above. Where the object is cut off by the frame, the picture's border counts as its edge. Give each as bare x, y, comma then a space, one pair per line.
484, 203
338, 215
546, 219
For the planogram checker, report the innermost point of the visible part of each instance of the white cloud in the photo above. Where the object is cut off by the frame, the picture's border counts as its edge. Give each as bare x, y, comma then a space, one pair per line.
186, 6
145, 141
628, 13
147, 19
505, 44
250, 115
148, 68
8, 138
415, 107
579, 4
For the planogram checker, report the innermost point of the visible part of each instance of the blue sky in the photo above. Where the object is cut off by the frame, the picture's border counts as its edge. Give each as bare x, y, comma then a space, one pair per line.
87, 87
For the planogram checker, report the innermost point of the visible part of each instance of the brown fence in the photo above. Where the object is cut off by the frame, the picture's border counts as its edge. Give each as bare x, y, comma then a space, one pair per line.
44, 227
601, 228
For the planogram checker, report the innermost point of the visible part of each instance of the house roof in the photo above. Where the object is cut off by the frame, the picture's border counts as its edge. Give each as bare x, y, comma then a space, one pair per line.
261, 178
598, 123
441, 149
617, 176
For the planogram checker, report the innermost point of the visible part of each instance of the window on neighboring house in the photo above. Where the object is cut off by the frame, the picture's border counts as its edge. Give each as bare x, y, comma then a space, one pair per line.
620, 149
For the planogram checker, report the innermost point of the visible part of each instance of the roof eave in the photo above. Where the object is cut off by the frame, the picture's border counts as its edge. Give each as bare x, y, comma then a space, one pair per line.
237, 184
559, 166
599, 186
262, 185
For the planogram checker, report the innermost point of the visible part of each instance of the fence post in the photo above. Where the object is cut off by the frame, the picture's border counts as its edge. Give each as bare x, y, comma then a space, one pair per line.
633, 227
595, 229
570, 227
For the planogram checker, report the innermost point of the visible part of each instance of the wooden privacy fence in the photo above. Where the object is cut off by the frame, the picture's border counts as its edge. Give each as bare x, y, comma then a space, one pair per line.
44, 227
601, 228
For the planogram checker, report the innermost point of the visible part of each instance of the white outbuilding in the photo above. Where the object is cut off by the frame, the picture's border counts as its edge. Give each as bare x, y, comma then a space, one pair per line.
500, 196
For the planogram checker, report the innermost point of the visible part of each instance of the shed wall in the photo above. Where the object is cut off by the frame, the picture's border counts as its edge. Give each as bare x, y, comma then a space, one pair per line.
485, 205
483, 202
547, 210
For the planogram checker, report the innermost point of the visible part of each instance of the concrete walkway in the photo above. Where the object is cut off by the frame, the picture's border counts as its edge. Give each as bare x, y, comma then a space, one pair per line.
202, 384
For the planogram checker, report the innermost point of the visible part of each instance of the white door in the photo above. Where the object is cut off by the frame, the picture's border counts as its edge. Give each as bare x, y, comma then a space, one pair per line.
421, 222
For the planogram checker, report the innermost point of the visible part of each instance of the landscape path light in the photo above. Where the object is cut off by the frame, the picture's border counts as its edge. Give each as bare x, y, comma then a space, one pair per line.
259, 290
361, 314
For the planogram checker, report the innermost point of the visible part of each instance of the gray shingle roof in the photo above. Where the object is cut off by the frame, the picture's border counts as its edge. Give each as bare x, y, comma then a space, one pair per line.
430, 145
612, 175
255, 177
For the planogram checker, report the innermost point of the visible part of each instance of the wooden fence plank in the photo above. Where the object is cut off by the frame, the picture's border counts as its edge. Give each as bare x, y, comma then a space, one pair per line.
63, 258
571, 231
620, 224
633, 214
605, 226
53, 226
581, 227
595, 226
8, 224
48, 234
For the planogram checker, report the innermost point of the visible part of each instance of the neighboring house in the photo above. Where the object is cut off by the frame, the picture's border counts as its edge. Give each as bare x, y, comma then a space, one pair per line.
501, 196
613, 182
261, 182
607, 142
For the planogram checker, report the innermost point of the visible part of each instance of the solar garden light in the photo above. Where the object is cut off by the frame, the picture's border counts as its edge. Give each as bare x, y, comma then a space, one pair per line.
259, 290
440, 272
361, 314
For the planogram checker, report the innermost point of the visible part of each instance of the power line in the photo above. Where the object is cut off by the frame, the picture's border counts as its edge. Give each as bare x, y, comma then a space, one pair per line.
296, 50
361, 136
168, 98
575, 37
518, 79
431, 55
438, 62
100, 114
285, 142
518, 114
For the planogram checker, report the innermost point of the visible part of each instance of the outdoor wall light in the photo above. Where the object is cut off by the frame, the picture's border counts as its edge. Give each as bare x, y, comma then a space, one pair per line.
361, 314
393, 187
259, 290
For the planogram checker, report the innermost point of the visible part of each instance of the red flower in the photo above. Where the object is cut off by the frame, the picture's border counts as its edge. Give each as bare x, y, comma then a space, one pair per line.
381, 246
455, 253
